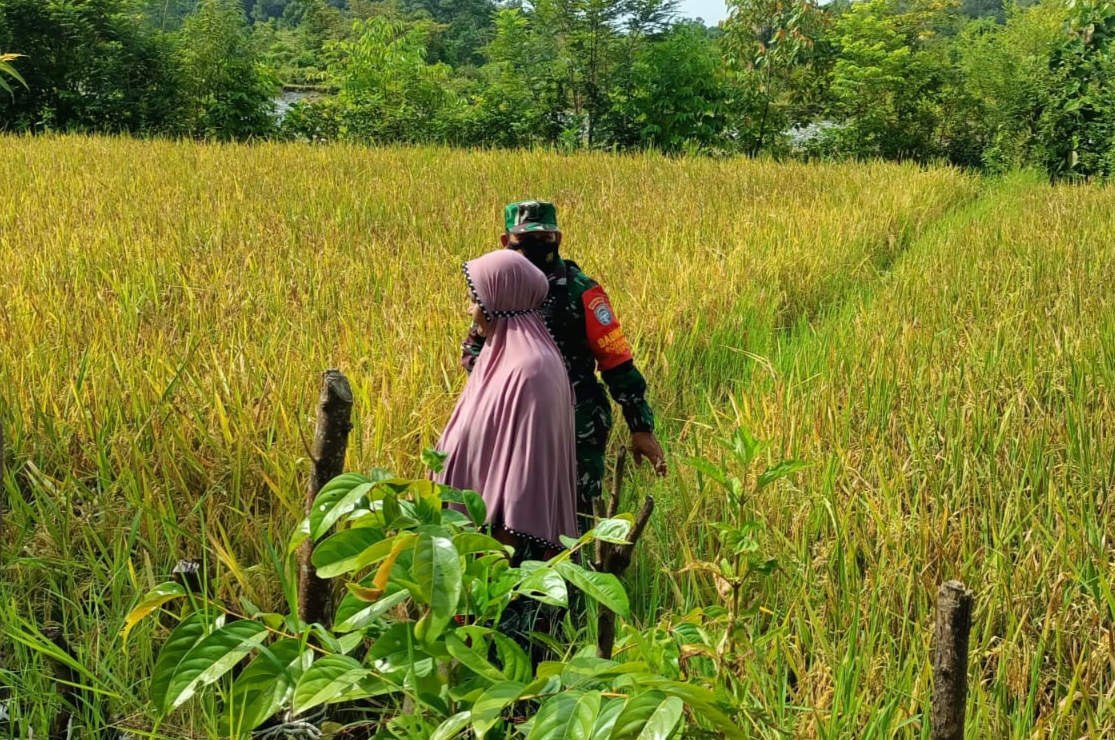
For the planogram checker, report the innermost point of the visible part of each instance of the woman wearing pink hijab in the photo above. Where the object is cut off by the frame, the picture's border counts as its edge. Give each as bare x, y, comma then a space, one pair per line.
510, 437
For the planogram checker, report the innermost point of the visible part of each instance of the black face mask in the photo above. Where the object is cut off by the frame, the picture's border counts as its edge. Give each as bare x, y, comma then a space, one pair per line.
542, 253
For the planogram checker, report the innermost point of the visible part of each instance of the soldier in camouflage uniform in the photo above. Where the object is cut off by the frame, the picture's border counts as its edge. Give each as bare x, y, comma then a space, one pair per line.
586, 330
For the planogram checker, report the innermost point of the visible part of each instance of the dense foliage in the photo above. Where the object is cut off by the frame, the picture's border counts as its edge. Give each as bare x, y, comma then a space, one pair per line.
978, 84
422, 646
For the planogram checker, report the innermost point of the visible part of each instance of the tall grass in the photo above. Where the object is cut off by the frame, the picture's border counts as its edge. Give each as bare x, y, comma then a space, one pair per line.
167, 307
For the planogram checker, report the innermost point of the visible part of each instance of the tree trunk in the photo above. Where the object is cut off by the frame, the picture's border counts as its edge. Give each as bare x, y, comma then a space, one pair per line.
334, 413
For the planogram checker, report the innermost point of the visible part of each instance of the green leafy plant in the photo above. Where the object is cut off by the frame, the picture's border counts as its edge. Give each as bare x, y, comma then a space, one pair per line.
7, 70
416, 649
741, 563
388, 90
228, 94
892, 78
769, 49
1078, 123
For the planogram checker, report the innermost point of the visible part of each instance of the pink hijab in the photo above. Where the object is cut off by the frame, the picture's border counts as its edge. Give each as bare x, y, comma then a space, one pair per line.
510, 437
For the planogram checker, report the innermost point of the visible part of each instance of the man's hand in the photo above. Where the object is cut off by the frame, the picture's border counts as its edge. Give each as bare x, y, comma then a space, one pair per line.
645, 445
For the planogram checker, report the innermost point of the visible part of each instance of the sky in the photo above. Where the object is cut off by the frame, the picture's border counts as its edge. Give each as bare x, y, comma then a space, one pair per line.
711, 11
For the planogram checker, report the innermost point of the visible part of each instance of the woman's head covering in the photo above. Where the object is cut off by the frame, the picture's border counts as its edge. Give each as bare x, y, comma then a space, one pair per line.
505, 284
511, 434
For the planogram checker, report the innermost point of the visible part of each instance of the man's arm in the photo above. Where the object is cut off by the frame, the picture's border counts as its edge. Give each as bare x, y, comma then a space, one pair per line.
625, 383
470, 349
629, 389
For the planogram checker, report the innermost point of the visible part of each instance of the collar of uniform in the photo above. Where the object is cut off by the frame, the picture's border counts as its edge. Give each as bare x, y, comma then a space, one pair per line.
559, 274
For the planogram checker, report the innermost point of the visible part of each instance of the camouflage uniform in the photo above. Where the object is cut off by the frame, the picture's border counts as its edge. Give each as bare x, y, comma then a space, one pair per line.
584, 326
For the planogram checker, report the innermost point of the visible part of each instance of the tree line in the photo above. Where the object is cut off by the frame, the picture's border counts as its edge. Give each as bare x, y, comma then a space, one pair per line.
976, 83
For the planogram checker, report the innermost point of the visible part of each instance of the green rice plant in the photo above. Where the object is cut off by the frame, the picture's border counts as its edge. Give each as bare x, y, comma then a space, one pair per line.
956, 411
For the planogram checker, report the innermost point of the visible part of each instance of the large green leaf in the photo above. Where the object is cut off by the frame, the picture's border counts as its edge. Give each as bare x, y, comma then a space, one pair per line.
604, 587
614, 530
355, 614
452, 727
397, 638
434, 460
427, 503
350, 642
211, 658
649, 716
568, 716
780, 470
708, 469
472, 542
609, 712
471, 659
265, 685
437, 570
548, 683
454, 518
477, 509
189, 632
488, 708
661, 724
516, 663
398, 513
501, 582
343, 483
158, 596
396, 654
546, 585
703, 702
301, 534
340, 553
427, 690
337, 498
329, 679
586, 668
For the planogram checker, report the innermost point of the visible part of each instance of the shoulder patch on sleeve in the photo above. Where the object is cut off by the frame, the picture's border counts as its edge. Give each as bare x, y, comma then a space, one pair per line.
605, 335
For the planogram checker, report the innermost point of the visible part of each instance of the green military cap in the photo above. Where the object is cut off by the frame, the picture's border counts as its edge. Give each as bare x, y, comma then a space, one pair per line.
530, 215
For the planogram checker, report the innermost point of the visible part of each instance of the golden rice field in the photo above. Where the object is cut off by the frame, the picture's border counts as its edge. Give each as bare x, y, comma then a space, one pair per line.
938, 347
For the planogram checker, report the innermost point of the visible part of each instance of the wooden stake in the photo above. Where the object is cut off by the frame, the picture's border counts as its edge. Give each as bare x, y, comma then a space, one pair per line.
65, 679
615, 559
950, 661
607, 511
617, 481
334, 414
